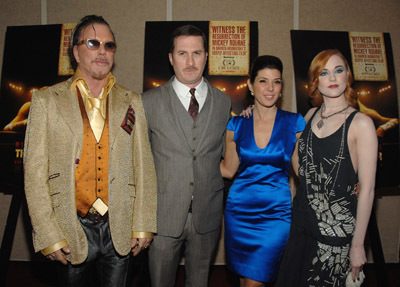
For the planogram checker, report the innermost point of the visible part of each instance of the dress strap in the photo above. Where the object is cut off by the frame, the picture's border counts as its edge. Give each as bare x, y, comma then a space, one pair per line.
351, 116
316, 111
348, 123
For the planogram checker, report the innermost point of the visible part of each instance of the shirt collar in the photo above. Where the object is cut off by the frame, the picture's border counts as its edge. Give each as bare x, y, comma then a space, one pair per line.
78, 77
183, 91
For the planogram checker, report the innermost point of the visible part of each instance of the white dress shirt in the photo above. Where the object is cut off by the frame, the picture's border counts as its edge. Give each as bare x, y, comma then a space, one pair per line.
182, 91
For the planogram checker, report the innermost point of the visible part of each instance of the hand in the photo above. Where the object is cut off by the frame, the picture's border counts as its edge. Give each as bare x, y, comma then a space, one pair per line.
138, 244
247, 112
357, 260
60, 255
357, 189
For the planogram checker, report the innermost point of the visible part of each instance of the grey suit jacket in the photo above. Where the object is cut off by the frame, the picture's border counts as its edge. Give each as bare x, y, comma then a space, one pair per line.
53, 146
186, 156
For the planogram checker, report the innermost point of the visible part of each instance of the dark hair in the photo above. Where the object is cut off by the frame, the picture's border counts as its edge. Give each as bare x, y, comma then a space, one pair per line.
186, 30
263, 62
83, 23
316, 67
260, 63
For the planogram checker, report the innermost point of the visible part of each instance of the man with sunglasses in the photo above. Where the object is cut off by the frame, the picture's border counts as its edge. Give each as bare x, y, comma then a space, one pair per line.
89, 172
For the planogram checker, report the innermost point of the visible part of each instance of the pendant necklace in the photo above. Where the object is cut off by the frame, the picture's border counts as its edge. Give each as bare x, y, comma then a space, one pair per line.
320, 123
313, 177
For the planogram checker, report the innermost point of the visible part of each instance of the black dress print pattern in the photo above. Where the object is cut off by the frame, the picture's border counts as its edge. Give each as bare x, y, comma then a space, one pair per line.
330, 180
324, 212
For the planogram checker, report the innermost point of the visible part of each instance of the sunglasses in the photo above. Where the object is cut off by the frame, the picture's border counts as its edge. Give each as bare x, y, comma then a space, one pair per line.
94, 44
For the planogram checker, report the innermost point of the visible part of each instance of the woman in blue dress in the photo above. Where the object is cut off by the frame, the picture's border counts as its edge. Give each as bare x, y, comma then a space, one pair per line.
259, 148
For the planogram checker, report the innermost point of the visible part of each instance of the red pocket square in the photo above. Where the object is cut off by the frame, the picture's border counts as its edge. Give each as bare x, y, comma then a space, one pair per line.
129, 120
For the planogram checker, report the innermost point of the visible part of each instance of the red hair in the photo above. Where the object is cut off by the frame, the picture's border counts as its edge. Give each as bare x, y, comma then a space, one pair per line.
316, 67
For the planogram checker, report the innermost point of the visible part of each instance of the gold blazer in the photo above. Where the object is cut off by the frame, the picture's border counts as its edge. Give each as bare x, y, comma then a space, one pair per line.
53, 146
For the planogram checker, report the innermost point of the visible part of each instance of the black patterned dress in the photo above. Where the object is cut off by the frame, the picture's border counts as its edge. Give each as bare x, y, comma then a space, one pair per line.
324, 212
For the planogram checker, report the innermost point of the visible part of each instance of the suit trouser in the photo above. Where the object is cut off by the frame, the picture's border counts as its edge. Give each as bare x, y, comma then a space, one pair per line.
199, 251
111, 269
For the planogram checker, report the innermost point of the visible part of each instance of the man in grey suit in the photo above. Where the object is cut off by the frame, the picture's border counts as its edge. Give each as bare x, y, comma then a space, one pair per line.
187, 118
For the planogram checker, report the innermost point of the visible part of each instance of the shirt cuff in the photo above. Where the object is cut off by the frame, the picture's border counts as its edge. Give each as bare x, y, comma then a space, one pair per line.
54, 247
139, 234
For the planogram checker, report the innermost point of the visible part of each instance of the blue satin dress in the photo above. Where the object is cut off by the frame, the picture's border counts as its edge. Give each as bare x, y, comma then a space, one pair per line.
258, 208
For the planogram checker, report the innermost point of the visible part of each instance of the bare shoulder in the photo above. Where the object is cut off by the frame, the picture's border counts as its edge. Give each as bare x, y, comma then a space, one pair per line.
309, 114
362, 121
362, 129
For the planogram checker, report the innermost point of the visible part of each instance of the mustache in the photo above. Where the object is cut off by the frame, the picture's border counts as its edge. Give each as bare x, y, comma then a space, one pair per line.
101, 60
191, 68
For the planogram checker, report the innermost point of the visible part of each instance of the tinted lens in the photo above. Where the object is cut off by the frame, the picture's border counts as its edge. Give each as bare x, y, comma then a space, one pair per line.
110, 46
92, 44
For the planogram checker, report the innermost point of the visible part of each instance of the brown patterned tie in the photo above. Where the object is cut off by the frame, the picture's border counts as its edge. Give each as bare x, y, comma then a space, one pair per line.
194, 105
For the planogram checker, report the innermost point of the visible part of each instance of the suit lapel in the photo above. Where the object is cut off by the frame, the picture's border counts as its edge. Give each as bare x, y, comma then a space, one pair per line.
118, 106
68, 108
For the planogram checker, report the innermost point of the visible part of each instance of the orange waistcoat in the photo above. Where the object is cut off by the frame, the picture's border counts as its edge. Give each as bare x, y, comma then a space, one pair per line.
91, 175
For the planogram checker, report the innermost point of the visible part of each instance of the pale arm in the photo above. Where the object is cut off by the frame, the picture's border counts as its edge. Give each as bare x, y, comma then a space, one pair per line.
229, 165
366, 153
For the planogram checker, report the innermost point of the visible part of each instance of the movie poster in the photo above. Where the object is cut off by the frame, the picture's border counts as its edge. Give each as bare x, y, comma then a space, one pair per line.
371, 59
157, 69
64, 62
229, 48
30, 61
368, 54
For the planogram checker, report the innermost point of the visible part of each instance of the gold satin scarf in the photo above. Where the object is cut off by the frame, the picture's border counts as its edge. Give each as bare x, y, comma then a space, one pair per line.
95, 107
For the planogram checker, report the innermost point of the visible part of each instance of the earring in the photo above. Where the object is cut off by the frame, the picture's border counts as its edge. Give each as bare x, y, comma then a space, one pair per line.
280, 95
252, 93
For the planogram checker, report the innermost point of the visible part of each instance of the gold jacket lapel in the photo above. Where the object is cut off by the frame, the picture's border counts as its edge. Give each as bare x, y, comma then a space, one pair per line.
118, 105
68, 108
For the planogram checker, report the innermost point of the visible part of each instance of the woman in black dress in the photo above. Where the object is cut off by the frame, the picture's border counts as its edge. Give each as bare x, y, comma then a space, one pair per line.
337, 155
